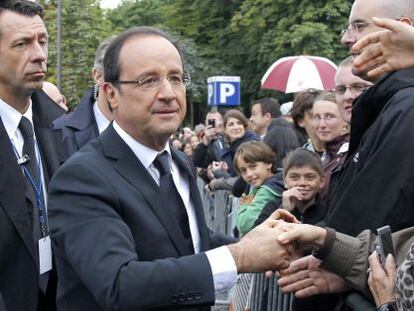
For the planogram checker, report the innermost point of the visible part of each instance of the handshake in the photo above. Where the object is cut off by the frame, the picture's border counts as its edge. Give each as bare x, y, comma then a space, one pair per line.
277, 245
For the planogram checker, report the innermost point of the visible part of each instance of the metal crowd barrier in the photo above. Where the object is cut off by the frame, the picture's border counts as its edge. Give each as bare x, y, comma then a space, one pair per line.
220, 211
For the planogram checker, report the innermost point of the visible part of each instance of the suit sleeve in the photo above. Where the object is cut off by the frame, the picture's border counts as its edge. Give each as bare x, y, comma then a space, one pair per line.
91, 236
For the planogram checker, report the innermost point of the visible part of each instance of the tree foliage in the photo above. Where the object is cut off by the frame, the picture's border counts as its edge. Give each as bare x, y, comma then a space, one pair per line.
84, 25
219, 37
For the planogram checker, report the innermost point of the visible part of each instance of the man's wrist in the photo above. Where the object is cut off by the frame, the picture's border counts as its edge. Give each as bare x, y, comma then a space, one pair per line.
237, 251
321, 241
324, 243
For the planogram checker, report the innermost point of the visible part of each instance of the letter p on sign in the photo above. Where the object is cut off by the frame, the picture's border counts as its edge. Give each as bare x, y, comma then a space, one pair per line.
224, 91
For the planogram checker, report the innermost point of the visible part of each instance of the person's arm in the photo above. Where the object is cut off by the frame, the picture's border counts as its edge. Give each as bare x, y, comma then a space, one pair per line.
223, 183
93, 228
249, 211
200, 156
383, 51
341, 254
269, 208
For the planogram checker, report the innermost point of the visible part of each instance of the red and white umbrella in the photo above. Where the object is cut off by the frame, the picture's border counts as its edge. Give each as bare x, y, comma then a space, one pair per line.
297, 73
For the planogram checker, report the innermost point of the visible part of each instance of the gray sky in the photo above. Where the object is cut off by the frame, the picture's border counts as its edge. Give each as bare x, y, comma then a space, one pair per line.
110, 4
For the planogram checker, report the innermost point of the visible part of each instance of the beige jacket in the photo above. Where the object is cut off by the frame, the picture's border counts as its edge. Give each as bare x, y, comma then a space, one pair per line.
348, 256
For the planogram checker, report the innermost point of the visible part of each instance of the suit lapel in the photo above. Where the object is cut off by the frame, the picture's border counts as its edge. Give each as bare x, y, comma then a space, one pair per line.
132, 170
83, 120
84, 136
12, 193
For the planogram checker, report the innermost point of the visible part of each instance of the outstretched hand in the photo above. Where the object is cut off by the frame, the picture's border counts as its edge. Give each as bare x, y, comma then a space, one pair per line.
305, 278
384, 51
303, 236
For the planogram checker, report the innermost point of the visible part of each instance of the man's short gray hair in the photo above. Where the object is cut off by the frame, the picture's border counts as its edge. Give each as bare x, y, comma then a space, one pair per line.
100, 53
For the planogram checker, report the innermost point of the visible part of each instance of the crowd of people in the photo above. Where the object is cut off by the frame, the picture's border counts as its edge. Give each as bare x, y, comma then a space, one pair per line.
100, 207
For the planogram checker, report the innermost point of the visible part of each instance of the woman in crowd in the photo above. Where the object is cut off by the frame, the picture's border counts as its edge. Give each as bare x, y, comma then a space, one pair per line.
333, 132
236, 132
301, 113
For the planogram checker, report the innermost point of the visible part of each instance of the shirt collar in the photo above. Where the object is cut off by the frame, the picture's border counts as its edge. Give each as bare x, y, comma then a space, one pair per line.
101, 121
144, 154
11, 117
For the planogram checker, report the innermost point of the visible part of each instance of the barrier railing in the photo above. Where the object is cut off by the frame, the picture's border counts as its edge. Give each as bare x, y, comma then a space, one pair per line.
220, 211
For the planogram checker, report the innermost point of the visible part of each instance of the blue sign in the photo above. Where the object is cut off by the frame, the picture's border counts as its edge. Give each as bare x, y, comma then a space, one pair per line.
223, 91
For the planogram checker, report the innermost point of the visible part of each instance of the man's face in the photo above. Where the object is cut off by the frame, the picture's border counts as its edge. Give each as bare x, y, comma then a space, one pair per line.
360, 21
258, 120
348, 87
307, 179
23, 54
149, 115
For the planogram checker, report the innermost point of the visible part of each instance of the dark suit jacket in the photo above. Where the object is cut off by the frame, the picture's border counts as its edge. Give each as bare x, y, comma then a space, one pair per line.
116, 242
78, 127
2, 306
18, 260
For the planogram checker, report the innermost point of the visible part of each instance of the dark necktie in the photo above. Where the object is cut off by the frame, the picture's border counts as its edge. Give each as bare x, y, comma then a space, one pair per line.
171, 195
32, 167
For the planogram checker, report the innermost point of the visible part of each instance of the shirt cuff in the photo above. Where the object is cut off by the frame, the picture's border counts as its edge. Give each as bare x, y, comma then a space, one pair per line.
223, 268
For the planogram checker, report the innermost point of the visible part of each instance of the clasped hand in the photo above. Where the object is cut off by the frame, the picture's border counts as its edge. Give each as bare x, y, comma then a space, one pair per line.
304, 276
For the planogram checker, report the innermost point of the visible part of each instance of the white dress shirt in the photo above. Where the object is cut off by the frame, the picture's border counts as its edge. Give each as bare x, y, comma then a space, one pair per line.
11, 120
221, 261
101, 121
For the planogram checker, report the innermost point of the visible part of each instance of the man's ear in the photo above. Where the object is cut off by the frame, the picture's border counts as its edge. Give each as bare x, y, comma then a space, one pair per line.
112, 94
97, 75
267, 116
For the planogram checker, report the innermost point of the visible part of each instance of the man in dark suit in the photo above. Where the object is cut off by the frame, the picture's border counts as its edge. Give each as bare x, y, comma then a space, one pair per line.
129, 233
93, 114
26, 278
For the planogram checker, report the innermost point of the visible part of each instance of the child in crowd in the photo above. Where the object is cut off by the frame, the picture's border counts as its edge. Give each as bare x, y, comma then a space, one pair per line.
256, 163
304, 177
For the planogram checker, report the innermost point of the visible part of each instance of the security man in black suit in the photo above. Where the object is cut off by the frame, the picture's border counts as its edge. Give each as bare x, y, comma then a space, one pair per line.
29, 155
93, 114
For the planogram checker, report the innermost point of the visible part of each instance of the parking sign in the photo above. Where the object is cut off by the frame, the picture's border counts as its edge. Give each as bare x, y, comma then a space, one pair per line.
223, 91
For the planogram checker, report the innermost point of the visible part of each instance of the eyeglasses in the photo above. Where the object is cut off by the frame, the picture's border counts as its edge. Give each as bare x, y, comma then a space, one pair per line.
155, 81
356, 26
327, 117
354, 88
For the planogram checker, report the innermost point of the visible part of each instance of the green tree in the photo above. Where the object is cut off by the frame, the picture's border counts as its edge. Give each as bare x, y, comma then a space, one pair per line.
270, 29
84, 25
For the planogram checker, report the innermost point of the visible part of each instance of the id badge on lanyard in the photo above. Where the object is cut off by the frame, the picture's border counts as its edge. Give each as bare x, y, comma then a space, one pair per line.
44, 243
